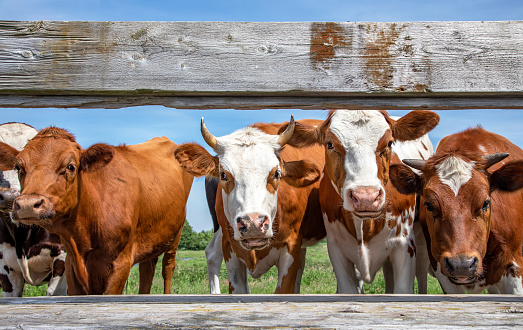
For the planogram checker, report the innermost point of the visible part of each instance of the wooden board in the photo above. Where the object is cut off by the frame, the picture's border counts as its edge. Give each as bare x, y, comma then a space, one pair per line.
263, 311
253, 65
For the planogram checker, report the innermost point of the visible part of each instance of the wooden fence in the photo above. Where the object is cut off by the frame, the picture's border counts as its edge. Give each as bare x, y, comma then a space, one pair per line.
302, 65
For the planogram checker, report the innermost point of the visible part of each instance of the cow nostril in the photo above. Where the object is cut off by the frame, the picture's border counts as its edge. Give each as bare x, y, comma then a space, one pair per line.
474, 263
448, 265
39, 204
352, 197
379, 196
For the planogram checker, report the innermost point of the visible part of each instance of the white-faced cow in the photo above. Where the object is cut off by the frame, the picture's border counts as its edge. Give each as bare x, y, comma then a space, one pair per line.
266, 203
474, 211
111, 206
28, 254
368, 222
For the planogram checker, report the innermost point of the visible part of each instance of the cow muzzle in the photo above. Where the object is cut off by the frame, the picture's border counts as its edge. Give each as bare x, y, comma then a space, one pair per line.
461, 269
366, 202
255, 231
32, 209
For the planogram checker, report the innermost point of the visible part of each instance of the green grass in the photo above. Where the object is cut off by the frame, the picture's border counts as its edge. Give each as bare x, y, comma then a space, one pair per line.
190, 277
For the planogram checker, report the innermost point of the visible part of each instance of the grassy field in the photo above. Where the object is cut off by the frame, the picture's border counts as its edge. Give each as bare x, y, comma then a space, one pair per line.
190, 277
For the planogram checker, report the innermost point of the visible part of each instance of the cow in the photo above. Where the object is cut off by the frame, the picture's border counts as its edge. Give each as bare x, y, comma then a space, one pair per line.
112, 206
28, 254
474, 206
267, 202
369, 224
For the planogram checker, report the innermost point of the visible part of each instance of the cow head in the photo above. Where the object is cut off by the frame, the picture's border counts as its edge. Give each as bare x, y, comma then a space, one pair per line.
250, 170
48, 170
457, 193
358, 151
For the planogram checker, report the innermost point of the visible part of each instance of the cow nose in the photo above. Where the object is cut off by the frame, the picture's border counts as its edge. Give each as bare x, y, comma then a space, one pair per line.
461, 265
365, 198
253, 222
29, 206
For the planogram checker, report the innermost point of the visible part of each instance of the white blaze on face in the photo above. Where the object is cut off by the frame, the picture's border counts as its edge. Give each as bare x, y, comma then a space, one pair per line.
359, 133
249, 155
454, 172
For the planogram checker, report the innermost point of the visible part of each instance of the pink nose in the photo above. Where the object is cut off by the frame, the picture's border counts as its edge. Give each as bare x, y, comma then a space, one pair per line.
365, 199
252, 224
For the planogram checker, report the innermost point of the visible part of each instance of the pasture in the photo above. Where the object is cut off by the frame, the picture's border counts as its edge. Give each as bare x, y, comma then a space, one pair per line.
190, 277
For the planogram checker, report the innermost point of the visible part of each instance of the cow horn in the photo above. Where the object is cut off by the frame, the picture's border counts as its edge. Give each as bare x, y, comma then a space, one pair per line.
417, 164
494, 158
286, 135
208, 137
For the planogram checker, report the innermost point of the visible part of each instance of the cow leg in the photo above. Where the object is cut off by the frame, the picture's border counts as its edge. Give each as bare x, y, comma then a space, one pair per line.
58, 283
388, 275
169, 263
146, 269
214, 256
12, 283
300, 270
121, 269
236, 271
289, 264
404, 268
346, 278
422, 258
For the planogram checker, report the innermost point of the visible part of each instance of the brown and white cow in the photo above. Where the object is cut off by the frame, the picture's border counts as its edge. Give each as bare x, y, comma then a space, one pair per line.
368, 222
474, 211
266, 203
111, 206
28, 254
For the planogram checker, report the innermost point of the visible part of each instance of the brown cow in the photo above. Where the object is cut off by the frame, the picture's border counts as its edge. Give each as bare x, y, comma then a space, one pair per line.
111, 206
266, 203
369, 224
474, 208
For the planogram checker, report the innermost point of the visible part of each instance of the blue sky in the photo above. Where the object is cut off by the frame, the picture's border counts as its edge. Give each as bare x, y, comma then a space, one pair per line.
136, 125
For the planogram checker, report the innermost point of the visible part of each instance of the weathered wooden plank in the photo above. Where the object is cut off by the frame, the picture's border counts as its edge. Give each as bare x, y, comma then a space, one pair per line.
275, 312
408, 65
510, 101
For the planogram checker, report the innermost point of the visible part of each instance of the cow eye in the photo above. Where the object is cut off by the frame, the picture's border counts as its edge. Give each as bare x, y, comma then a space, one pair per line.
429, 207
390, 144
277, 175
223, 176
71, 168
486, 206
330, 145
17, 168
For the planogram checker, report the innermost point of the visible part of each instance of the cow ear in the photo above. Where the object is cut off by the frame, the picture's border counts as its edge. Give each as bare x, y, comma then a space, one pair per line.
508, 178
306, 135
96, 157
300, 173
196, 160
7, 157
413, 125
404, 179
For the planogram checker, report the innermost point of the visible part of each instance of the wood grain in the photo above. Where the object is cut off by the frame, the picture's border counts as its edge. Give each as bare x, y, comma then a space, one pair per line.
263, 311
253, 65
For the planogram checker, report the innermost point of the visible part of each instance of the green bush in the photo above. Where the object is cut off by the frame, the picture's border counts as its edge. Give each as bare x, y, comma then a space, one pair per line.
192, 240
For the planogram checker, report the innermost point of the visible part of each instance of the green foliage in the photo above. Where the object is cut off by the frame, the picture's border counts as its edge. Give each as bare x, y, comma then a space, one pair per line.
192, 240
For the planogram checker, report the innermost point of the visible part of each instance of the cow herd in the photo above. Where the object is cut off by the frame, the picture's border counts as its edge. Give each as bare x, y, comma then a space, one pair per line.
369, 183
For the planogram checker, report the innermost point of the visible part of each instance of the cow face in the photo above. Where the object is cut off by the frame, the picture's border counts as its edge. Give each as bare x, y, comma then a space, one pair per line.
48, 169
358, 147
457, 193
250, 170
